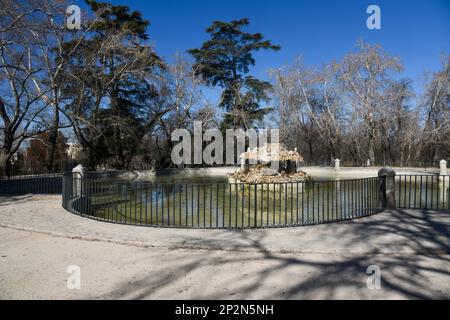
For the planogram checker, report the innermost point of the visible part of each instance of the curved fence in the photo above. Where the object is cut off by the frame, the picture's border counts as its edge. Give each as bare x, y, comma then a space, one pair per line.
430, 192
228, 206
45, 183
221, 205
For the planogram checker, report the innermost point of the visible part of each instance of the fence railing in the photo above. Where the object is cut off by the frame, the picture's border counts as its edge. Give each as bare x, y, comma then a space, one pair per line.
46, 183
221, 205
431, 192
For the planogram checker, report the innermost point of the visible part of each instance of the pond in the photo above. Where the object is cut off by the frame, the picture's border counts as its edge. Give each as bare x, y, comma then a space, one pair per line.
211, 202
199, 201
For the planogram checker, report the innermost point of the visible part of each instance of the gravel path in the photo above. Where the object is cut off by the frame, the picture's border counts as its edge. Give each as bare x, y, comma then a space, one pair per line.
387, 232
39, 240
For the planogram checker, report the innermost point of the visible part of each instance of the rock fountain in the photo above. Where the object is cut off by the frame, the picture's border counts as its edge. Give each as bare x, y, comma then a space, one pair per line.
271, 164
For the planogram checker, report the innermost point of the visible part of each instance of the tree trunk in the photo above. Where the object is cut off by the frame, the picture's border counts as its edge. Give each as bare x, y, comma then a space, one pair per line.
5, 153
371, 152
53, 139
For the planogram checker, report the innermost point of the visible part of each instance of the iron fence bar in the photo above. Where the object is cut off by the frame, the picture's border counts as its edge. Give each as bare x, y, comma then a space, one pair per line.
255, 224
186, 205
249, 201
210, 205
303, 202
262, 204
448, 195
174, 193
363, 197
333, 191
180, 194
321, 201
223, 206
444, 192
285, 203
404, 189
274, 208
313, 202
198, 205
217, 205
126, 202
229, 203
420, 193
432, 185
360, 197
360, 191
192, 205
410, 189
204, 206
353, 197
268, 204
146, 204
415, 192
236, 209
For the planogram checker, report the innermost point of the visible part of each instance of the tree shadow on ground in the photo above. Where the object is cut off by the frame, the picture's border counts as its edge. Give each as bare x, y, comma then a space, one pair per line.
422, 273
8, 200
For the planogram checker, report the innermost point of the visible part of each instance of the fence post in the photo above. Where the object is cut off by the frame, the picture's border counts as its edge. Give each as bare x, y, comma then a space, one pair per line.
78, 174
387, 188
337, 164
443, 167
243, 166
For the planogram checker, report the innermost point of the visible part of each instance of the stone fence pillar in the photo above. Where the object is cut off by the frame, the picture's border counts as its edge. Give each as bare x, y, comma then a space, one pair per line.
444, 183
337, 164
78, 173
387, 188
243, 164
443, 167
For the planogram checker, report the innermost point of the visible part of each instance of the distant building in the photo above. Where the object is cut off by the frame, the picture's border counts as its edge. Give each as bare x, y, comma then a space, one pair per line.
74, 151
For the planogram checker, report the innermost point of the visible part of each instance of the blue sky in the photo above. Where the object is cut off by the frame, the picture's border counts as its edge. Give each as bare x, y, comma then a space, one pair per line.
319, 30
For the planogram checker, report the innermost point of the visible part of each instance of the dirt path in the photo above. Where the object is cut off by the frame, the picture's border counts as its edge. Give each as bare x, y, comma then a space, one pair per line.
411, 248
34, 266
394, 232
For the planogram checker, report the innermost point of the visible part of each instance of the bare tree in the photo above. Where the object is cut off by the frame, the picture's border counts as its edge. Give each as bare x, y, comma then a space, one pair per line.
354, 109
21, 104
436, 105
365, 77
53, 54
308, 104
183, 82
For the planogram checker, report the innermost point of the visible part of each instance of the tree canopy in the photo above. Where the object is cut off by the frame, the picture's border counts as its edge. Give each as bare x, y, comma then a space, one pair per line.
225, 60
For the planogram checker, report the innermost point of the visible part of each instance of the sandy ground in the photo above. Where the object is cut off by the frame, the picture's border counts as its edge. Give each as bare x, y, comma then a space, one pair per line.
39, 240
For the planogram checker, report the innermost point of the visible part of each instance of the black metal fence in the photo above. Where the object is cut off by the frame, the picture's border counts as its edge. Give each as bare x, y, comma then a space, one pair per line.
222, 205
25, 183
431, 192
